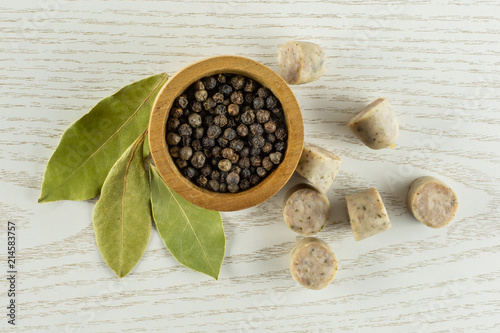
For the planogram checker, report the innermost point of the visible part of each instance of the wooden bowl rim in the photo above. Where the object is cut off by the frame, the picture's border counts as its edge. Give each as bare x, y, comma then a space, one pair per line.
177, 84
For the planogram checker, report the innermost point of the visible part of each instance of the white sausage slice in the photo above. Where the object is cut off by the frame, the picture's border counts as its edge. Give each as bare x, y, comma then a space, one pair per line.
313, 263
301, 62
319, 166
376, 125
306, 211
432, 202
367, 214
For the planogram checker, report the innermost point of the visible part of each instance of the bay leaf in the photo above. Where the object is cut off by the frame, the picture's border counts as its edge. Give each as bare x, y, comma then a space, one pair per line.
193, 235
90, 146
122, 217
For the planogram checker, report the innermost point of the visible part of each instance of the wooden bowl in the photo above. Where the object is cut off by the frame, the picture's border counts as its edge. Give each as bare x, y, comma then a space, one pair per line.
165, 164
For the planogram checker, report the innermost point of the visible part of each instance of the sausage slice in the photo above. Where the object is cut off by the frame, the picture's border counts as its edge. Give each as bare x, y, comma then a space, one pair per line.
432, 202
319, 166
313, 263
367, 214
306, 210
376, 126
301, 62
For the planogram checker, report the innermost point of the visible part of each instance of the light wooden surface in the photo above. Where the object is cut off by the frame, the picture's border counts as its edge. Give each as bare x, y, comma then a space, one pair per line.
437, 62
225, 201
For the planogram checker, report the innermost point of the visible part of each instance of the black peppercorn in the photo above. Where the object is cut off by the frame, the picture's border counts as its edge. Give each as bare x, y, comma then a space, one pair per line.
226, 102
233, 188
244, 162
225, 90
218, 97
255, 151
210, 82
207, 152
213, 131
196, 107
234, 159
221, 78
277, 112
271, 102
255, 161
256, 129
236, 169
198, 132
223, 142
229, 134
263, 116
176, 112
233, 109
249, 98
208, 120
223, 188
280, 133
220, 121
257, 141
258, 103
267, 148
206, 170
232, 178
238, 82
248, 117
263, 92
194, 120
196, 145
220, 109
216, 151
244, 184
213, 185
280, 146
225, 165
185, 153
215, 175
237, 145
270, 126
261, 172
172, 124
275, 157
223, 176
245, 151
198, 159
242, 130
207, 142
185, 130
201, 95
174, 151
250, 86
254, 179
181, 163
267, 164
173, 139
198, 85
209, 103
182, 101
186, 140
189, 172
245, 173
270, 138
227, 153
237, 97
202, 180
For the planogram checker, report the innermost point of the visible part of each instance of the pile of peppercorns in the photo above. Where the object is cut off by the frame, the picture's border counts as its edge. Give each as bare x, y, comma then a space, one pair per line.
226, 133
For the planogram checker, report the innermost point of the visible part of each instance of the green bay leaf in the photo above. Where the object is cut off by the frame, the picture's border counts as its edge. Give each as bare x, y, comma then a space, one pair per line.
193, 235
122, 217
89, 147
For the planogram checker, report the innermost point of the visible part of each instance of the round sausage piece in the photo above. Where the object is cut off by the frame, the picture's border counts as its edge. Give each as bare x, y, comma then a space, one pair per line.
301, 62
319, 166
432, 202
306, 210
376, 125
313, 263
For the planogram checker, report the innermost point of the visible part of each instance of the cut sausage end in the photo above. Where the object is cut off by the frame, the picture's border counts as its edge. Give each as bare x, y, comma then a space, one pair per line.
432, 202
306, 211
313, 263
301, 62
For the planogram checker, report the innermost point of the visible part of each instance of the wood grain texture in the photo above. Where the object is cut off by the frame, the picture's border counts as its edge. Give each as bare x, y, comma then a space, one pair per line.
437, 61
166, 165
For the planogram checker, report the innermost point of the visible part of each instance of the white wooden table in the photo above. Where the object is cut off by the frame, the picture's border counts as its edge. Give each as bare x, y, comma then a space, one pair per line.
437, 61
